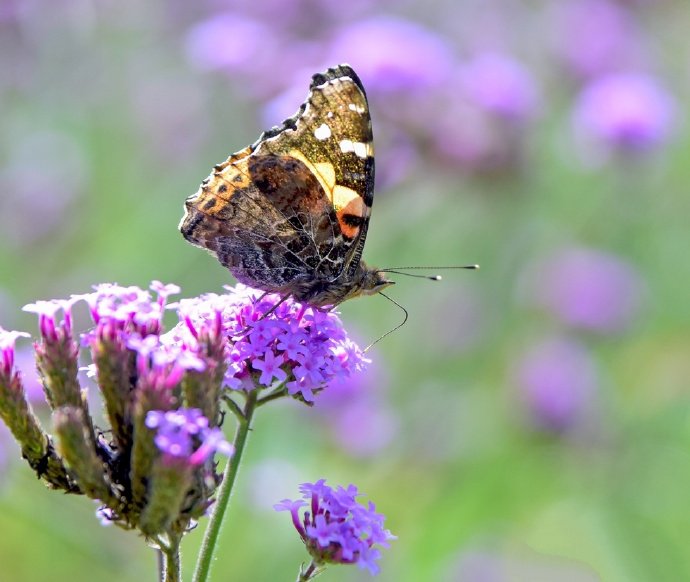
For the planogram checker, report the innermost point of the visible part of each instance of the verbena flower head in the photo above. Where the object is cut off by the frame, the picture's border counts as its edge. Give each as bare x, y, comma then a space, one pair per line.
153, 468
162, 393
335, 528
291, 345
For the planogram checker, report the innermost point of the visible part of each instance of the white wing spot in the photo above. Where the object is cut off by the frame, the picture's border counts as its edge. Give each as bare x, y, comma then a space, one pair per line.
322, 132
361, 150
355, 108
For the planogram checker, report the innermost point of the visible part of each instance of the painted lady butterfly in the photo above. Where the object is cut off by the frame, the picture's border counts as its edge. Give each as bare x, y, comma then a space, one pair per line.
289, 213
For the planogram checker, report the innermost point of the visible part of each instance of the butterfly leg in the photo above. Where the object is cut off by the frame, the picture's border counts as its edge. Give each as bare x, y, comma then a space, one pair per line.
250, 326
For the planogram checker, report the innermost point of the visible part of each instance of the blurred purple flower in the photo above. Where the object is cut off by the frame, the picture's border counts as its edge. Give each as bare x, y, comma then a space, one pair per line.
499, 85
594, 37
37, 198
392, 54
365, 428
587, 289
227, 41
300, 17
497, 562
8, 339
468, 138
628, 112
357, 414
26, 364
479, 566
10, 11
337, 529
557, 379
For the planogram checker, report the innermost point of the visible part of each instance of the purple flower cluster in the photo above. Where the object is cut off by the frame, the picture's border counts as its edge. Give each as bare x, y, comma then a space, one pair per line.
336, 529
162, 392
185, 433
130, 310
273, 342
129, 321
627, 112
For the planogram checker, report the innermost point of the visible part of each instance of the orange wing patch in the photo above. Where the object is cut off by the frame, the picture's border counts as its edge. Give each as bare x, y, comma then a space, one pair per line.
216, 191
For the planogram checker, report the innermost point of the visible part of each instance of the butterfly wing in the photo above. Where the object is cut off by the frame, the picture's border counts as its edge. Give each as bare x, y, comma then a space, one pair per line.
294, 205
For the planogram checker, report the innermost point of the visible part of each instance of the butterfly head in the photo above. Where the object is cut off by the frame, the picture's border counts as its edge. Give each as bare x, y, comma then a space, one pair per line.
368, 281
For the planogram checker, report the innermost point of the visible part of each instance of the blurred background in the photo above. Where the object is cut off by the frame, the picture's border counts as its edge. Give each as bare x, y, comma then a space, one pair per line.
530, 422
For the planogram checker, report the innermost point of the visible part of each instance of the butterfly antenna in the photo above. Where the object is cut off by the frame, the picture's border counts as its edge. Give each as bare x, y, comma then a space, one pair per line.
396, 328
430, 277
398, 271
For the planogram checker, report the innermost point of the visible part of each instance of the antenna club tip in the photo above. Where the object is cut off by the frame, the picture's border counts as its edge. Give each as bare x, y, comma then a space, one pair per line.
437, 278
475, 267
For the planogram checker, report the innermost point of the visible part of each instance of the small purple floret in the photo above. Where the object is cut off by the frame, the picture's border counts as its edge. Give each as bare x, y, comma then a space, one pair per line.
185, 434
7, 342
50, 326
337, 529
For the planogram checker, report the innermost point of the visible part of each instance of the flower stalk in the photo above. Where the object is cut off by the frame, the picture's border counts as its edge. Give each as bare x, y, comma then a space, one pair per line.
310, 572
225, 490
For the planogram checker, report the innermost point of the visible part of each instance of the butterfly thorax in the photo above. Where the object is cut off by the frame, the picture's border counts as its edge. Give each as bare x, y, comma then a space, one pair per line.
364, 281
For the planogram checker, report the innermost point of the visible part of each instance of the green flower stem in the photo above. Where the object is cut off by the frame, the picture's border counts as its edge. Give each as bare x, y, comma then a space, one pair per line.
310, 572
172, 570
203, 564
279, 392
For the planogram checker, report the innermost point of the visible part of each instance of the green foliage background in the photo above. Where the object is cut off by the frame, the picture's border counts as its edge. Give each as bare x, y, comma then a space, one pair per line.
467, 474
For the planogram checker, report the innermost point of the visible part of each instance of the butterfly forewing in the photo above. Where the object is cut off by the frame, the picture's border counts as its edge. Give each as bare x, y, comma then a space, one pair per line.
295, 205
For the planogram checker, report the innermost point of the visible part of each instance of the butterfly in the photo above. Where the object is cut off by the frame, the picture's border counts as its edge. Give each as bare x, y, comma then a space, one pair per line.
289, 214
